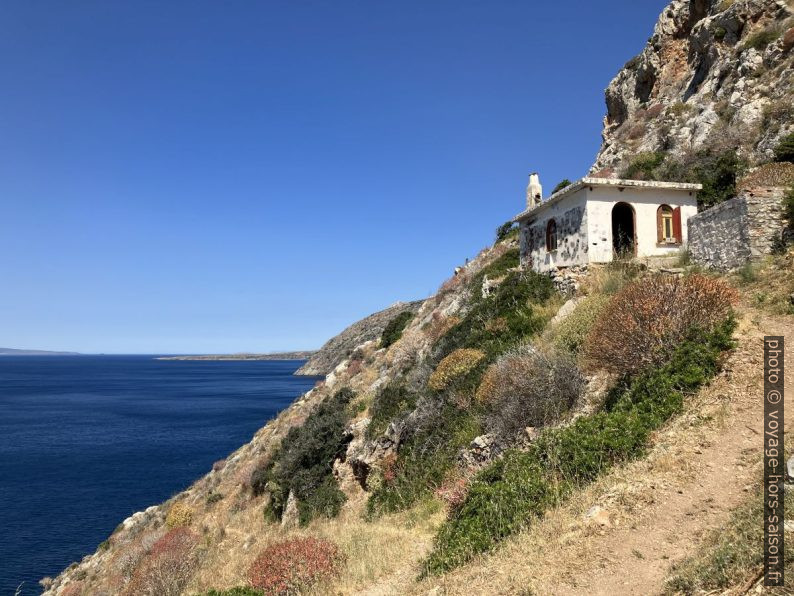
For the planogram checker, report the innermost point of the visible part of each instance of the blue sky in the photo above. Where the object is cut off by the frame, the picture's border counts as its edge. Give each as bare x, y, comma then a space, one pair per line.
196, 176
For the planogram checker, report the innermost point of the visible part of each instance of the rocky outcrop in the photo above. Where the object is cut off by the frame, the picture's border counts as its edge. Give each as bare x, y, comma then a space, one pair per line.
338, 348
715, 74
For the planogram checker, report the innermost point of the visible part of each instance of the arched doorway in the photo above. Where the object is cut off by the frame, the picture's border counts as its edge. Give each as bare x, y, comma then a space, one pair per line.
623, 231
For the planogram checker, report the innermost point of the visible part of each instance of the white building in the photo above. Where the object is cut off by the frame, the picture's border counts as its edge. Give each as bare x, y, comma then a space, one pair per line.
596, 219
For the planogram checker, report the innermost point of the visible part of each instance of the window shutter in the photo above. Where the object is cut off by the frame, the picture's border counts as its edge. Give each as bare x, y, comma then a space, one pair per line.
659, 226
677, 225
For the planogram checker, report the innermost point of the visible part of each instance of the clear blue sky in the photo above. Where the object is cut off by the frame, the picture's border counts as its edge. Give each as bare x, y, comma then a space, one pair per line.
202, 176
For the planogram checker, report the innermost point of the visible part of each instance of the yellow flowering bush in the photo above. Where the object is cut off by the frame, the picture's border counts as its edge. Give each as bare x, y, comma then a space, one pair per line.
455, 365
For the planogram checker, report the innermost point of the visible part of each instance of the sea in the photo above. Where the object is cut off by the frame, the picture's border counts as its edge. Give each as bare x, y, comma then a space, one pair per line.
85, 441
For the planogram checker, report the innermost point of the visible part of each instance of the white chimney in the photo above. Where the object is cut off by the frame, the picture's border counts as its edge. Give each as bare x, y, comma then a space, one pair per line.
534, 191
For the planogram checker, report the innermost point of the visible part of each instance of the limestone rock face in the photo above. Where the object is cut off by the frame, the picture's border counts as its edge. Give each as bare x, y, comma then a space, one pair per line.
716, 74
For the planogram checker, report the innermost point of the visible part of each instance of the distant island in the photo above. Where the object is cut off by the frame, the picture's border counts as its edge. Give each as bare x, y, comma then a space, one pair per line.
304, 355
13, 352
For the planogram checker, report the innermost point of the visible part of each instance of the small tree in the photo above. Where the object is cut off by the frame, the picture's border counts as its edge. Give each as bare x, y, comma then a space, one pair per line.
503, 231
561, 184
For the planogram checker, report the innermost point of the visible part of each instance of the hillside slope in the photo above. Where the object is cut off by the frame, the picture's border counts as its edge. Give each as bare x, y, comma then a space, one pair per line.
339, 347
715, 75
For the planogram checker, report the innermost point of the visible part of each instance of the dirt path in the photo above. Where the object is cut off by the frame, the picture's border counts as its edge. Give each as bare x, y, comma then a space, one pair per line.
621, 536
636, 560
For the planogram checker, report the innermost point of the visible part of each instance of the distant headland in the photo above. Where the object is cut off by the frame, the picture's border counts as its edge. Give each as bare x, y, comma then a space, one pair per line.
300, 355
13, 352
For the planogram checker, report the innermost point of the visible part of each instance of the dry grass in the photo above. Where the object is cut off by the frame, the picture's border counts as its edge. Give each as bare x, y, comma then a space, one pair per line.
769, 284
374, 551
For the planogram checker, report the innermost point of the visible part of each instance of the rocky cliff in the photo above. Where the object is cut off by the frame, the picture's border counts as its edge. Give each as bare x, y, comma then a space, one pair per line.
714, 75
339, 347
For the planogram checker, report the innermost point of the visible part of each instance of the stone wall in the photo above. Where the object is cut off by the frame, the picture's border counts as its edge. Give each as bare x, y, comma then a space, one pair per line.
730, 234
764, 217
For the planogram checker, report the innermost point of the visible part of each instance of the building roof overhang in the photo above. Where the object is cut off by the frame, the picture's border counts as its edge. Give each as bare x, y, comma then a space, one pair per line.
604, 182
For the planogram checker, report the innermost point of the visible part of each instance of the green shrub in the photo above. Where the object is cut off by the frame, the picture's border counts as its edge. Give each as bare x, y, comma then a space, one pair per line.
561, 184
785, 149
510, 493
213, 498
761, 39
570, 333
423, 460
748, 273
788, 207
719, 33
304, 463
454, 366
391, 401
506, 230
716, 171
509, 260
643, 166
513, 303
394, 329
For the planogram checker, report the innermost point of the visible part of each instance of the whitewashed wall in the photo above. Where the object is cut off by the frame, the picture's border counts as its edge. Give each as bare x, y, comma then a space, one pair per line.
645, 202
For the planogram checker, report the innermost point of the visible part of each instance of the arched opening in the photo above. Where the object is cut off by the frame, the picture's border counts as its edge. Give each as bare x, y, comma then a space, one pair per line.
551, 235
623, 231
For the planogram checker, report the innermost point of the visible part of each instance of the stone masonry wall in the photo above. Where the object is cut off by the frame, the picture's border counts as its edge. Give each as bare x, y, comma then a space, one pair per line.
764, 217
730, 234
718, 236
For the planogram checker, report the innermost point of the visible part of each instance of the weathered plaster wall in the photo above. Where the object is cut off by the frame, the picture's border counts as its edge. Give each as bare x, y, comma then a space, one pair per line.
570, 215
645, 202
728, 235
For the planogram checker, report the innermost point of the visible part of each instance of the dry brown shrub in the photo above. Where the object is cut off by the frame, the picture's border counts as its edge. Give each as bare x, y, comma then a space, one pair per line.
453, 490
293, 566
169, 567
457, 364
496, 325
648, 318
439, 326
604, 173
529, 387
73, 588
770, 174
654, 111
389, 467
354, 367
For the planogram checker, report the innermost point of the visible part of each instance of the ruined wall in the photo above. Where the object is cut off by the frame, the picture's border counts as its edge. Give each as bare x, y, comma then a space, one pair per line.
730, 234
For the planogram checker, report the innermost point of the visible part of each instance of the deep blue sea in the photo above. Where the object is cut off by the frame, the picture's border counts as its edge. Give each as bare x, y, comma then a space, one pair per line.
85, 441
